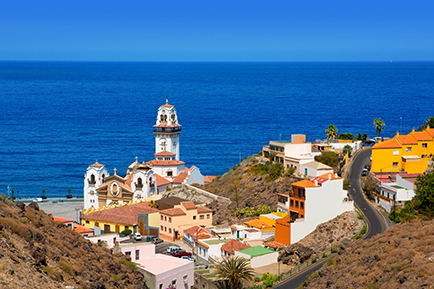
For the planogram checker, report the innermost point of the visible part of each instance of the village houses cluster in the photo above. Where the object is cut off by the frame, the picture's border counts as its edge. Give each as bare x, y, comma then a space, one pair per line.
118, 207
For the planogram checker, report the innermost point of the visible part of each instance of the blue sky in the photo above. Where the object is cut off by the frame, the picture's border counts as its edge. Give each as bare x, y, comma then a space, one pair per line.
310, 30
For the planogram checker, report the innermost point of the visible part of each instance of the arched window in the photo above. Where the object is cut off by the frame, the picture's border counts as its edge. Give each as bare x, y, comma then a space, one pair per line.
92, 180
139, 183
151, 183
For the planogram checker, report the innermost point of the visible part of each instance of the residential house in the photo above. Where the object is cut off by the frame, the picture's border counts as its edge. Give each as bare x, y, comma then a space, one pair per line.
228, 249
266, 229
209, 250
310, 203
404, 153
271, 218
314, 169
138, 217
108, 239
191, 235
72, 225
239, 232
160, 271
258, 256
174, 221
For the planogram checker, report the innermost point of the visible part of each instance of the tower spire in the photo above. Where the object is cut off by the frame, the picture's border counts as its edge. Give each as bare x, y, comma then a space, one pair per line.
167, 99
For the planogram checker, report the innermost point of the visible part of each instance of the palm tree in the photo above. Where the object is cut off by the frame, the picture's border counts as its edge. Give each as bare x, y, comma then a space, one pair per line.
271, 156
429, 122
379, 125
331, 131
234, 270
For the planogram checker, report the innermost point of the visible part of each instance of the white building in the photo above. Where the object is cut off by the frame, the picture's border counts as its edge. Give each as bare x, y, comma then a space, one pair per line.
258, 256
314, 169
209, 250
144, 180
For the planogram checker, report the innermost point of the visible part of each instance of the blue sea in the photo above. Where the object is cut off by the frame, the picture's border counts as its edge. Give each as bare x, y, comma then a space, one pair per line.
57, 118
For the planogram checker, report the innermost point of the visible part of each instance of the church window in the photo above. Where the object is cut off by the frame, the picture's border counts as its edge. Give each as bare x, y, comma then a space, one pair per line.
139, 182
92, 180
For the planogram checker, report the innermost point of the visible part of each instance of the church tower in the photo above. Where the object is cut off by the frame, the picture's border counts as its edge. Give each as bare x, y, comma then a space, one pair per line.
167, 130
93, 178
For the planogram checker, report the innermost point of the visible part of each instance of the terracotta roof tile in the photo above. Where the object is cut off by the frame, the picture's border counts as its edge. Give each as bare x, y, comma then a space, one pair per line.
82, 229
304, 184
389, 144
430, 132
199, 233
203, 244
126, 214
325, 177
164, 153
161, 181
234, 245
188, 205
62, 220
166, 125
406, 139
165, 163
96, 164
180, 178
421, 135
173, 212
201, 209
209, 179
167, 105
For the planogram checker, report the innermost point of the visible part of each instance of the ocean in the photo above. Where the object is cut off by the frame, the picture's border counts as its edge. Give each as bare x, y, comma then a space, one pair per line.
57, 118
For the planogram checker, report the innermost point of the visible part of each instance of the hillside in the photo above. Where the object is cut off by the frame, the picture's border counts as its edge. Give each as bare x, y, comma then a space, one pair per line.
402, 257
37, 252
253, 187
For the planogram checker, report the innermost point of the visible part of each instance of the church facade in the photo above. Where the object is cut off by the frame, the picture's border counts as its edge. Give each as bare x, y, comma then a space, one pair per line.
146, 179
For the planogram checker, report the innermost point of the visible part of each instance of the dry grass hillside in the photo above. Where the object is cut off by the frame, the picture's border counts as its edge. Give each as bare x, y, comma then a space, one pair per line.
36, 252
252, 186
402, 257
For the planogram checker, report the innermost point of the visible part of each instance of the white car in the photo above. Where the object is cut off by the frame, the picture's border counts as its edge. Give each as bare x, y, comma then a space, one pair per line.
37, 200
188, 258
137, 236
171, 249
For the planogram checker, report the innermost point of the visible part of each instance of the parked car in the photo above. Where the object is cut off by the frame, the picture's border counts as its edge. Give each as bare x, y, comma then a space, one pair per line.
368, 167
150, 238
157, 241
172, 249
378, 138
369, 143
188, 258
364, 172
181, 253
137, 237
37, 200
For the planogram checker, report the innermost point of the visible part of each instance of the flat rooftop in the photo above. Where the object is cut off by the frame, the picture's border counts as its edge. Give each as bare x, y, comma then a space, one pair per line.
216, 241
162, 263
257, 251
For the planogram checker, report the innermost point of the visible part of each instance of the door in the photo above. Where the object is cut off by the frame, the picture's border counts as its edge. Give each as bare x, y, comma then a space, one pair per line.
142, 225
106, 229
116, 229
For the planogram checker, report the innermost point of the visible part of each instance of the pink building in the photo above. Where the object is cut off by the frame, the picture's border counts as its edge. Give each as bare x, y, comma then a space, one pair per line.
159, 270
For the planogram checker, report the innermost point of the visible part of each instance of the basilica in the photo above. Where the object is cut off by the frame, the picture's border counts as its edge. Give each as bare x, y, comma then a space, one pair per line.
143, 179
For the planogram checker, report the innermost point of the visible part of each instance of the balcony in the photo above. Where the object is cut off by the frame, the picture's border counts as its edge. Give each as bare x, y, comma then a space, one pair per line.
167, 129
91, 183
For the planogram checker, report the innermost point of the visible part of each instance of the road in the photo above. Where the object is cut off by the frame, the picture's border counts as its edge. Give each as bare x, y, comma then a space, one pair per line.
376, 221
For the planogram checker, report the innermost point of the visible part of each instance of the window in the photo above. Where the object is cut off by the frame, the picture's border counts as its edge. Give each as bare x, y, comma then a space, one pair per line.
170, 230
174, 283
165, 218
161, 217
301, 205
194, 217
87, 222
137, 254
128, 253
424, 145
409, 149
169, 173
396, 153
161, 286
395, 164
165, 229
96, 224
296, 204
292, 203
161, 228
301, 216
207, 216
202, 217
170, 220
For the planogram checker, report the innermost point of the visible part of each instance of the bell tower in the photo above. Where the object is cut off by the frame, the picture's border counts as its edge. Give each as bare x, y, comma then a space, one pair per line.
167, 130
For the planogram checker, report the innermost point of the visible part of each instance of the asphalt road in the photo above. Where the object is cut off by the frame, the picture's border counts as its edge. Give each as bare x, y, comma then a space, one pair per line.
376, 221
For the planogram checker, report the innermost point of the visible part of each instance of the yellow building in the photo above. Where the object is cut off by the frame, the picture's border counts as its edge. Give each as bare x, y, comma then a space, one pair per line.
271, 218
138, 217
404, 153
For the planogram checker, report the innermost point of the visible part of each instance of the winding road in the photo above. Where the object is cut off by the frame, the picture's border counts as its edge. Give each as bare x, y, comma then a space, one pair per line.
375, 219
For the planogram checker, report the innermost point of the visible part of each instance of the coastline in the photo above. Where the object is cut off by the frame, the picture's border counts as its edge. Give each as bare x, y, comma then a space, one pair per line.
65, 208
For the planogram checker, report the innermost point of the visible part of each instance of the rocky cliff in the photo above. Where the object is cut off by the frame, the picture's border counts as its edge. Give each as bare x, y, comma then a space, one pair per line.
36, 252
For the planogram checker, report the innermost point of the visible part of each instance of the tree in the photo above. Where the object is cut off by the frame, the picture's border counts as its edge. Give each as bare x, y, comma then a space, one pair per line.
271, 156
331, 131
43, 196
424, 194
328, 158
361, 137
69, 195
348, 149
234, 270
428, 122
346, 136
379, 125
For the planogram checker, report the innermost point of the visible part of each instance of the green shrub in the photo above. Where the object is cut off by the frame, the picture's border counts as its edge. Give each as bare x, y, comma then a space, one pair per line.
347, 183
324, 255
334, 250
268, 283
126, 232
314, 260
115, 277
129, 263
363, 231
3, 197
331, 262
257, 279
66, 268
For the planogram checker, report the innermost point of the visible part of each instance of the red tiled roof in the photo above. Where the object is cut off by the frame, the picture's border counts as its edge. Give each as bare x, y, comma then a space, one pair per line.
188, 205
82, 229
180, 178
275, 244
166, 125
121, 215
201, 209
304, 184
421, 135
129, 180
160, 180
389, 144
208, 179
173, 212
164, 153
234, 245
325, 177
167, 105
165, 163
62, 220
198, 232
96, 164
430, 131
233, 227
406, 139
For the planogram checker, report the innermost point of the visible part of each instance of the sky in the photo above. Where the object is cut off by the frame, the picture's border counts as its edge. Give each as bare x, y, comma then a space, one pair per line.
310, 30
